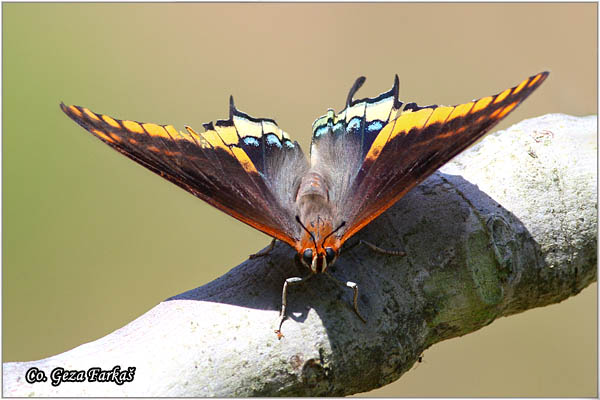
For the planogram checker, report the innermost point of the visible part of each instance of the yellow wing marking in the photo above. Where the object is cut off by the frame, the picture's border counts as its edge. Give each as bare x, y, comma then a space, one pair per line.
319, 121
115, 136
482, 103
521, 86
196, 138
380, 141
357, 110
244, 160
133, 126
269, 127
111, 121
461, 110
228, 134
502, 96
246, 127
451, 133
225, 136
172, 131
534, 80
156, 130
408, 121
197, 141
507, 109
330, 115
480, 119
91, 114
102, 135
495, 113
439, 115
380, 110
75, 111
215, 140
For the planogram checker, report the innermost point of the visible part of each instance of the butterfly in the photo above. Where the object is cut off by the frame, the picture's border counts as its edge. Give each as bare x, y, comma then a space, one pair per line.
362, 160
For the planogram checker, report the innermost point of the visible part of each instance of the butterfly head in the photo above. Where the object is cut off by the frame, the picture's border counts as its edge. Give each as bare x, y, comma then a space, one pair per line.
318, 261
319, 249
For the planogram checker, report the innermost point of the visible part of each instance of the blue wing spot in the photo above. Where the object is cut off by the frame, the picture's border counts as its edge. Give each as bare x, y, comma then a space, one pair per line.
272, 140
251, 141
321, 131
354, 124
288, 143
338, 128
375, 126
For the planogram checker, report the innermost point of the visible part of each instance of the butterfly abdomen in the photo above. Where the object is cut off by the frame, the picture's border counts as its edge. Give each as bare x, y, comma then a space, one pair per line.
313, 184
312, 197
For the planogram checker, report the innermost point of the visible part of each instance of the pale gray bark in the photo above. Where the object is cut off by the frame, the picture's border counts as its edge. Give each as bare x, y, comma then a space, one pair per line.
508, 226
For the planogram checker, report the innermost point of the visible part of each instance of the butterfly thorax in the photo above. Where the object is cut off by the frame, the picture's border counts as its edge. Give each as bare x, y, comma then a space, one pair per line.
316, 216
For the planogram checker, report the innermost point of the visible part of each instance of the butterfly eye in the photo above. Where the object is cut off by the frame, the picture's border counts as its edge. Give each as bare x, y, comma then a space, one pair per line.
329, 255
307, 256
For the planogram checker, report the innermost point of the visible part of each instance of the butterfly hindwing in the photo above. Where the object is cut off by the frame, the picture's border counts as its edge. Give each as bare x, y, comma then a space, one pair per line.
360, 121
405, 150
340, 142
242, 166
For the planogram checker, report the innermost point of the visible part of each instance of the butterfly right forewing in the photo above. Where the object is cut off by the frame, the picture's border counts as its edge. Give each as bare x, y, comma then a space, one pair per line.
417, 143
374, 156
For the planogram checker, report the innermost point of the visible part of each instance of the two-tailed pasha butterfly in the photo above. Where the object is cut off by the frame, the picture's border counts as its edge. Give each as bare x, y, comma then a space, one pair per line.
362, 160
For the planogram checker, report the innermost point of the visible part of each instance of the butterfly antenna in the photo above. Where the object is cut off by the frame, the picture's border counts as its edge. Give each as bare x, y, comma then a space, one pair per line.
309, 232
332, 232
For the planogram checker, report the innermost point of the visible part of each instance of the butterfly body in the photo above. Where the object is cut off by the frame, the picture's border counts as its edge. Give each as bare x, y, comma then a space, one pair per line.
316, 213
362, 160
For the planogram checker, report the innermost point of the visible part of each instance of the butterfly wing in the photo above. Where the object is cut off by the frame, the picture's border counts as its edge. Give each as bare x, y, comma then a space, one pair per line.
387, 156
243, 166
341, 142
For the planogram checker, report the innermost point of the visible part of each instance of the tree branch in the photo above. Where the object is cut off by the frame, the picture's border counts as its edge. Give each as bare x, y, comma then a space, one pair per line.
508, 226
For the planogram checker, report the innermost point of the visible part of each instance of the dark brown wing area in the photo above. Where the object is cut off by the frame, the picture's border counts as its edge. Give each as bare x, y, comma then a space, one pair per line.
415, 144
237, 165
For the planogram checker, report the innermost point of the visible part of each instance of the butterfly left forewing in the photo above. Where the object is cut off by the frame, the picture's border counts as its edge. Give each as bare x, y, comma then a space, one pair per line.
224, 166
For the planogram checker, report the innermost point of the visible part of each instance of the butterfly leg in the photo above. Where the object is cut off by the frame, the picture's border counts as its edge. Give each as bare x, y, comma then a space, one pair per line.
282, 314
382, 251
264, 252
354, 287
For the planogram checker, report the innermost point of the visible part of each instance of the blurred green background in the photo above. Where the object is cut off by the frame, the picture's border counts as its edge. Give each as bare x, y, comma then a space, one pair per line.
92, 240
